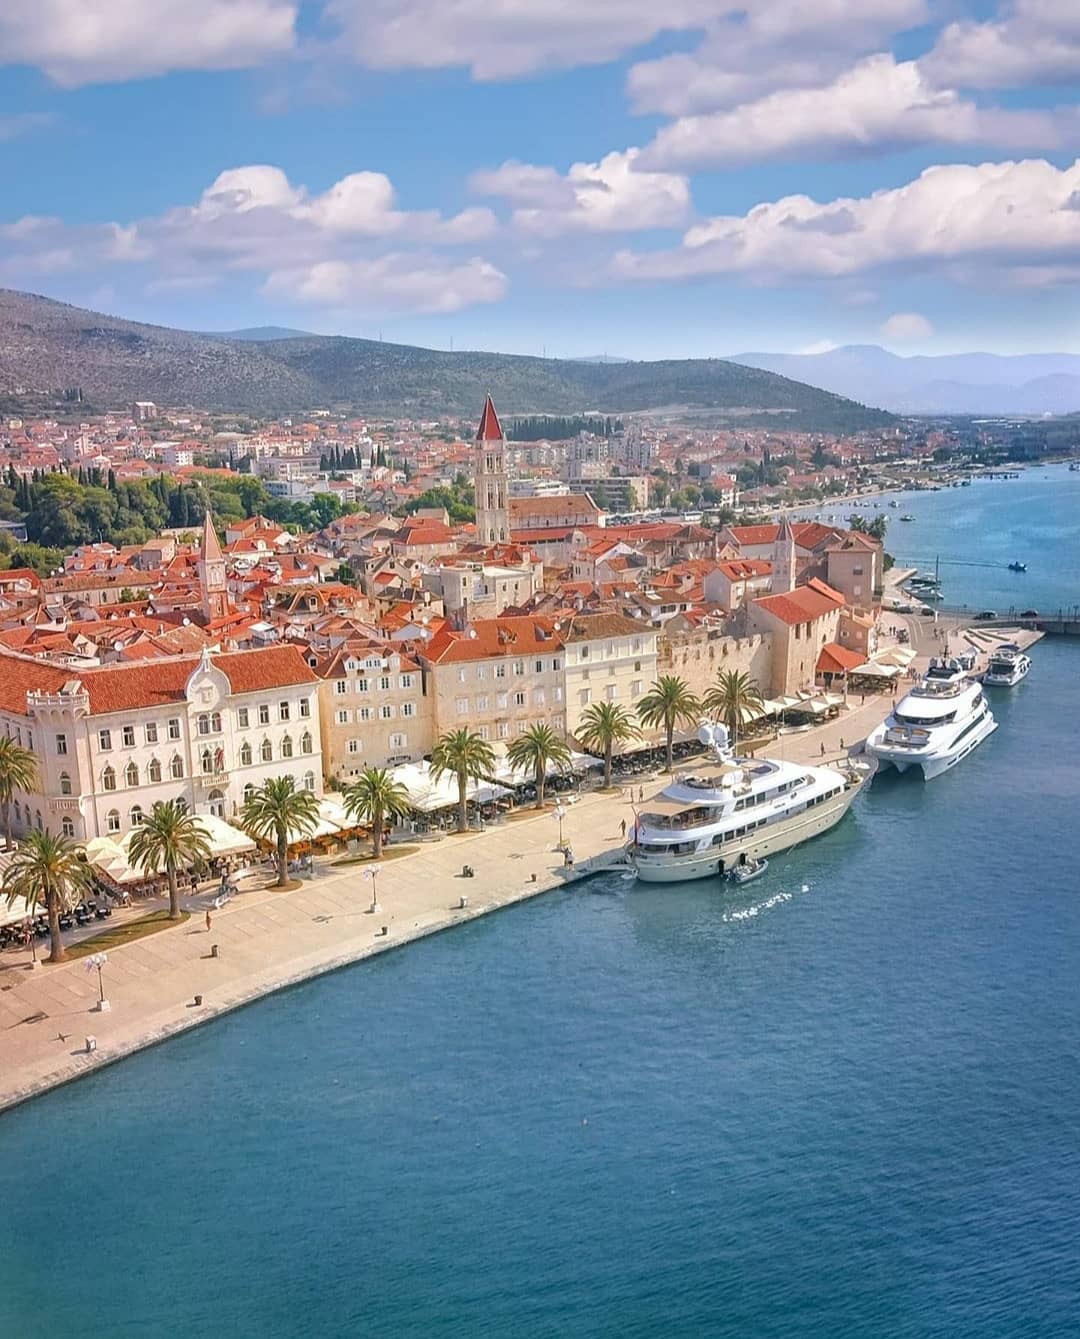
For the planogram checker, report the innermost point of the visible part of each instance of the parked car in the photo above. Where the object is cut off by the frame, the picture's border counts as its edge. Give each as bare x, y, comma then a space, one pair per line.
1030, 613
985, 616
926, 611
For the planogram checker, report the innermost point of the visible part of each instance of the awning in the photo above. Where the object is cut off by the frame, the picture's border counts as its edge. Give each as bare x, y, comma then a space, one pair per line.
837, 659
895, 655
874, 671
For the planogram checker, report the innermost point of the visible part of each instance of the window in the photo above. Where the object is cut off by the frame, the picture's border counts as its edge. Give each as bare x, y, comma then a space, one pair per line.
539, 667
174, 728
481, 673
266, 751
305, 708
500, 671
151, 732
409, 708
309, 780
286, 746
264, 713
364, 714
637, 666
343, 717
502, 729
483, 731
154, 771
538, 697
127, 736
305, 742
67, 827
462, 705
481, 704
384, 683
386, 711
104, 740
519, 667
283, 711
203, 724
206, 762
519, 699
61, 745
131, 775
407, 680
399, 741
583, 653
135, 816
108, 779
112, 822
353, 746
556, 664
245, 754
362, 685
585, 696
65, 784
635, 688
556, 693
611, 692
242, 718
176, 767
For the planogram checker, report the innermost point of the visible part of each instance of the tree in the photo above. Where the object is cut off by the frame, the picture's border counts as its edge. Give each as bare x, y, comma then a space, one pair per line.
735, 698
603, 725
536, 748
467, 757
51, 870
18, 771
375, 796
168, 839
278, 812
668, 702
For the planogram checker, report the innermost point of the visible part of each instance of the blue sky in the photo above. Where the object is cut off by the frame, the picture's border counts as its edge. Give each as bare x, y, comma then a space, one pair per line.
543, 175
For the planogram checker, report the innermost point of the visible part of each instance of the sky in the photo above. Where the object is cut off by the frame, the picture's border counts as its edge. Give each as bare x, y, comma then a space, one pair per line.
558, 177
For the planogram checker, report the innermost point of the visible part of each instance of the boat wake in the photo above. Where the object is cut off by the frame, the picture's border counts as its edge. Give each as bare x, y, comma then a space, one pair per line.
756, 908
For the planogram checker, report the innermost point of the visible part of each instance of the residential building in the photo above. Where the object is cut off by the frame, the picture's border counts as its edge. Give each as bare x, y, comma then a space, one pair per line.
608, 658
374, 709
800, 622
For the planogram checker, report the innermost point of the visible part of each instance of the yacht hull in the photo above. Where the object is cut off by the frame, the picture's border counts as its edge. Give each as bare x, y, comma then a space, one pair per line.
767, 841
1009, 680
934, 764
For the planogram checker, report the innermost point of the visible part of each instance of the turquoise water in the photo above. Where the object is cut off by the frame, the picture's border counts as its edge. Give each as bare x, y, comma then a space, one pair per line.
1033, 519
841, 1103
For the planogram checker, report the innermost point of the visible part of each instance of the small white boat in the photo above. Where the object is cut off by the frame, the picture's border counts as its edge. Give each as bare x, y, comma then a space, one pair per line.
751, 870
1007, 667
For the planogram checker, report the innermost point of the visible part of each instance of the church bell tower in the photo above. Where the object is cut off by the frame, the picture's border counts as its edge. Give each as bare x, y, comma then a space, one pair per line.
213, 579
489, 478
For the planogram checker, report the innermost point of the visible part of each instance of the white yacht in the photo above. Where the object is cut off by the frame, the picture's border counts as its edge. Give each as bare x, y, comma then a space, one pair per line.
1008, 665
939, 722
733, 812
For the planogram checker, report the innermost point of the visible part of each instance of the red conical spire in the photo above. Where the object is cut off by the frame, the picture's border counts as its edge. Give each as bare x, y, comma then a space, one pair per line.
490, 429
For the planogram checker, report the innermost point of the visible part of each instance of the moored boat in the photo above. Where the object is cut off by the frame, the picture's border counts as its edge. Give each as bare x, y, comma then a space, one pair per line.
936, 724
1008, 665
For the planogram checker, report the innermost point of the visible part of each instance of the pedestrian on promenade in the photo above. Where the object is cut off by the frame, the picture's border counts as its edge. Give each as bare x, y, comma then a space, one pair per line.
641, 794
194, 885
622, 827
841, 742
208, 918
823, 748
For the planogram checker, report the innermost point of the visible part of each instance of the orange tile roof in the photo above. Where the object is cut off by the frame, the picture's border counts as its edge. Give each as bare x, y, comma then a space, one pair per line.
486, 638
837, 659
803, 604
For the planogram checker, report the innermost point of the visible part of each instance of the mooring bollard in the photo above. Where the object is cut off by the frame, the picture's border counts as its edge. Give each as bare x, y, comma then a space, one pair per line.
198, 1000
213, 950
91, 1044
463, 902
386, 930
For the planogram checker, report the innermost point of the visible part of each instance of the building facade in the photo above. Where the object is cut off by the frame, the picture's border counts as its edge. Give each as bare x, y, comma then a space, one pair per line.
609, 658
374, 710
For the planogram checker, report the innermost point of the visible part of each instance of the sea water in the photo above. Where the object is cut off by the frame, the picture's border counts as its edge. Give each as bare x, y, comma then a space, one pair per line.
839, 1103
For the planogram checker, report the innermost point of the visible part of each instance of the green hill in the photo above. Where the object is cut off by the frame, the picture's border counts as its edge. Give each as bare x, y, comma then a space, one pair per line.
47, 346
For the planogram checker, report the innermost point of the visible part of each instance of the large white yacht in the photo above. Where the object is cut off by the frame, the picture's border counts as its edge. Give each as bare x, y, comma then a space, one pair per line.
1008, 665
936, 724
734, 811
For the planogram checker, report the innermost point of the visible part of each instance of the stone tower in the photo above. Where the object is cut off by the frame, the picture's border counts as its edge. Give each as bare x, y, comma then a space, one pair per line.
213, 581
783, 559
489, 478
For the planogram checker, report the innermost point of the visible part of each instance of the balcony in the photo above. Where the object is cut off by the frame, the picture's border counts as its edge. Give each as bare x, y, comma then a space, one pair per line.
210, 780
65, 804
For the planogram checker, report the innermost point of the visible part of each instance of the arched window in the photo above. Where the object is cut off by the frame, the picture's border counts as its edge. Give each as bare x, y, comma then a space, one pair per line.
206, 762
65, 784
154, 771
112, 822
309, 780
217, 803
215, 722
108, 779
135, 817
286, 746
245, 754
203, 724
267, 751
249, 791
131, 774
176, 767
305, 742
67, 827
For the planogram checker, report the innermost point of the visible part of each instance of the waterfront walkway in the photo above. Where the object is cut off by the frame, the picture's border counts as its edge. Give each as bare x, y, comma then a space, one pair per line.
268, 939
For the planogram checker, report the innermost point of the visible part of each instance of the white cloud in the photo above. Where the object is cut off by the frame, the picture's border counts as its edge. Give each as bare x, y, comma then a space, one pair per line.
1015, 222
878, 104
763, 45
608, 196
349, 243
509, 39
390, 284
1033, 42
88, 41
904, 326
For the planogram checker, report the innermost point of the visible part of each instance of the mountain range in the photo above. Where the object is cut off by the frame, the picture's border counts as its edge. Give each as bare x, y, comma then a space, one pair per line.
960, 383
48, 346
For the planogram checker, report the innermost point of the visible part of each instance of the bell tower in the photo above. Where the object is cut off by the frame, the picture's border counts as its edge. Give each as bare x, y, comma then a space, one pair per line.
489, 479
783, 561
213, 580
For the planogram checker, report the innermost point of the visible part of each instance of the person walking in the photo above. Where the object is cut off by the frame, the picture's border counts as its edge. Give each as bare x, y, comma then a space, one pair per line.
622, 828
208, 920
823, 748
641, 794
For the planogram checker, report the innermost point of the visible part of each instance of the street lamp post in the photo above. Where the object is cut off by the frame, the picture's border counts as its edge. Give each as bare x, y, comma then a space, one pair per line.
373, 875
97, 961
560, 813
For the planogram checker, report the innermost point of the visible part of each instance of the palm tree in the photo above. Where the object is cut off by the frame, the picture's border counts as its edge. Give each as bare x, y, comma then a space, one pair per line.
278, 811
51, 870
374, 797
169, 838
668, 702
603, 725
18, 771
466, 756
735, 698
536, 748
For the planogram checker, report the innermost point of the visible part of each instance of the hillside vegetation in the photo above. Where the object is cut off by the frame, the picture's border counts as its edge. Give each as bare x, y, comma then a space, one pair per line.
47, 346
